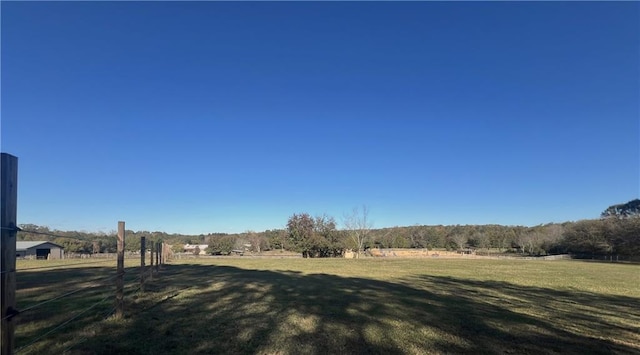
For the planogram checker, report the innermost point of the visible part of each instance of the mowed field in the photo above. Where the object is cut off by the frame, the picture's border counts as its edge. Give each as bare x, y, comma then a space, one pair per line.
338, 306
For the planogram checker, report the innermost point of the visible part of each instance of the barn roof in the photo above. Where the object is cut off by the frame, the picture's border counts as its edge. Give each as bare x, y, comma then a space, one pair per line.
22, 246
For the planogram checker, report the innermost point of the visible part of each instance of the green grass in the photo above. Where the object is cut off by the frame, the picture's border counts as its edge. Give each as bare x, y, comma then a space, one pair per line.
319, 306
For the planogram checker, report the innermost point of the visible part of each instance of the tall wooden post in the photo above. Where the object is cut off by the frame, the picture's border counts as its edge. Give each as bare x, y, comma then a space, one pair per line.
157, 256
120, 272
9, 207
143, 251
151, 259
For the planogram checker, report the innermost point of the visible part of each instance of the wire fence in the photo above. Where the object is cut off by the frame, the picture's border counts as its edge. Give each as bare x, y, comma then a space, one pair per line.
61, 325
39, 304
37, 299
64, 265
84, 304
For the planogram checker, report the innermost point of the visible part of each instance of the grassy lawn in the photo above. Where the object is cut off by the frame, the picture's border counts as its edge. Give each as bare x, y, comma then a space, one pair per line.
320, 306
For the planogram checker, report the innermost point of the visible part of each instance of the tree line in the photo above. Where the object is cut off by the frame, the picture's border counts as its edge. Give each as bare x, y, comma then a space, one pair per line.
83, 242
617, 232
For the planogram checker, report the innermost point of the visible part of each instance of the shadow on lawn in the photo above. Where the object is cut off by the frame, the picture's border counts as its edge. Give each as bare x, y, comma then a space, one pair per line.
48, 298
221, 309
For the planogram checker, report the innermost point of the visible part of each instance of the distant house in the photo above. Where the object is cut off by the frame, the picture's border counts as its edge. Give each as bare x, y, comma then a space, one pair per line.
191, 248
39, 250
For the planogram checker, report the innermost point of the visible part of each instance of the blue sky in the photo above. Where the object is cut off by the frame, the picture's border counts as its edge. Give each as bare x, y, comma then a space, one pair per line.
229, 116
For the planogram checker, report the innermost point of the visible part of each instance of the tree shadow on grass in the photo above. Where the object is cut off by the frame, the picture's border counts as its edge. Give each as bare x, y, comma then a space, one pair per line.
48, 298
221, 309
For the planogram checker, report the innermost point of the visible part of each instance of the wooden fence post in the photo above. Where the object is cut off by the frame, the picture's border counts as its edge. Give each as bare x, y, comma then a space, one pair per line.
151, 258
120, 273
9, 203
143, 251
157, 256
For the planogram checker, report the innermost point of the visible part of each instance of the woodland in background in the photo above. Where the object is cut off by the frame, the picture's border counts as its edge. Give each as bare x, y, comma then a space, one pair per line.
617, 233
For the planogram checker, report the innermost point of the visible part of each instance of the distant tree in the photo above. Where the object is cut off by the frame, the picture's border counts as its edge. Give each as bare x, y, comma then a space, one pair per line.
418, 236
481, 240
300, 228
588, 237
256, 240
276, 238
384, 239
176, 248
96, 246
459, 240
358, 227
221, 245
240, 242
72, 245
533, 240
520, 240
435, 237
552, 235
196, 251
623, 210
327, 240
314, 237
626, 236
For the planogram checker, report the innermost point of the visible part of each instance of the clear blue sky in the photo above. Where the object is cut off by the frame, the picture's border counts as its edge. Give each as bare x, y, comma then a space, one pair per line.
224, 117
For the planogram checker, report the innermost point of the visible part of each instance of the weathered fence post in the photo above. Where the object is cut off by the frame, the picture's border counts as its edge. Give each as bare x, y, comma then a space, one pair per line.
151, 260
157, 256
143, 251
9, 203
120, 272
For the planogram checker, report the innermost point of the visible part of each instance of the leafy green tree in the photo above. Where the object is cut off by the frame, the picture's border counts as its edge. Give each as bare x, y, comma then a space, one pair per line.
277, 238
300, 228
327, 241
177, 248
314, 237
221, 245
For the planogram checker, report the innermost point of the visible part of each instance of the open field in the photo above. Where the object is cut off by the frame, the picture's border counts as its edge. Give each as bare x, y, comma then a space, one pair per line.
293, 306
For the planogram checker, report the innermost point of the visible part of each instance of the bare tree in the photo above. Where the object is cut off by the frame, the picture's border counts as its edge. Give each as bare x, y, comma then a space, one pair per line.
520, 240
482, 241
256, 240
460, 240
358, 227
